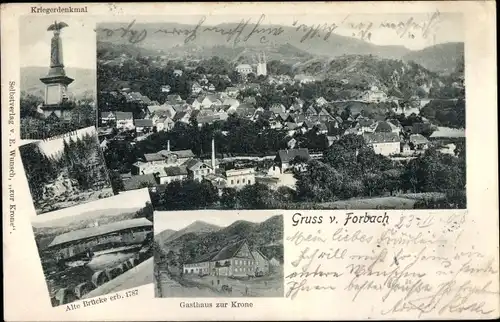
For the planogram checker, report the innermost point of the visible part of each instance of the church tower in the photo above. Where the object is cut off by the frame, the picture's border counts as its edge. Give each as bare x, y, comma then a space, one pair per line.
56, 82
262, 65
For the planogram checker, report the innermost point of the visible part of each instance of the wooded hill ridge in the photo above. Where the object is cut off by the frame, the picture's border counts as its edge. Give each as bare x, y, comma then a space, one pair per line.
266, 236
438, 58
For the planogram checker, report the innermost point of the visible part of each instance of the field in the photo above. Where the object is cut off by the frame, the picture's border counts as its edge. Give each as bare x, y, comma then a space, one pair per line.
403, 201
447, 132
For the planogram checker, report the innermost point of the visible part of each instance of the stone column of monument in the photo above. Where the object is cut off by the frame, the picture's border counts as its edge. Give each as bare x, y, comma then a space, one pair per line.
56, 82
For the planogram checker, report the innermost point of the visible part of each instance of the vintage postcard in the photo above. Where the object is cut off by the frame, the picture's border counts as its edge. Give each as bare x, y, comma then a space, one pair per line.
97, 248
250, 161
65, 170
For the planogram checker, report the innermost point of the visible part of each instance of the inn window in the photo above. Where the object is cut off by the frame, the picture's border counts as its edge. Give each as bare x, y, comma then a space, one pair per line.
237, 181
232, 181
243, 181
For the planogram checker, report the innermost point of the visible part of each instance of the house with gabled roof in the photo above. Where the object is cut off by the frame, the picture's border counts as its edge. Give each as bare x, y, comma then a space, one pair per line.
182, 117
108, 117
277, 108
166, 175
143, 125
308, 125
196, 88
321, 101
299, 119
311, 111
232, 102
174, 99
124, 120
324, 115
284, 157
385, 126
384, 143
210, 100
159, 110
246, 111
235, 259
198, 169
164, 124
418, 142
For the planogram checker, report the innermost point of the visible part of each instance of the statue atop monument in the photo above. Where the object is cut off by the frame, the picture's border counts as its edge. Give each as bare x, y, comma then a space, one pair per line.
56, 82
56, 53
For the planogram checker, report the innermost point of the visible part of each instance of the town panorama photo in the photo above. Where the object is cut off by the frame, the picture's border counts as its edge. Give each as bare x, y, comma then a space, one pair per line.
275, 112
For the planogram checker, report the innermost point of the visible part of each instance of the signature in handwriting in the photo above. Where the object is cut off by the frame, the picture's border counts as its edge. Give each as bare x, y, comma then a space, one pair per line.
447, 298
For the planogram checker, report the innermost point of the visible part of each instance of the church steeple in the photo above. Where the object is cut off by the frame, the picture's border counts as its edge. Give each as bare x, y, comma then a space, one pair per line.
262, 65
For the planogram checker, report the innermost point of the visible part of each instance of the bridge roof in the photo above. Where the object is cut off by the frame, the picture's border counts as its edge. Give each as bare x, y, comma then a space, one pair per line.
99, 230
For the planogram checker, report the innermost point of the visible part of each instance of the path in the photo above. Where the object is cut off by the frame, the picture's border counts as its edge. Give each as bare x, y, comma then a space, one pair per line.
172, 288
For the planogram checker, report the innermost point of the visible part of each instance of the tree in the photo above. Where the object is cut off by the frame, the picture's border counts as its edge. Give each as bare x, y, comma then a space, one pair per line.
251, 78
346, 113
229, 198
319, 183
171, 258
189, 194
434, 171
256, 196
235, 77
28, 104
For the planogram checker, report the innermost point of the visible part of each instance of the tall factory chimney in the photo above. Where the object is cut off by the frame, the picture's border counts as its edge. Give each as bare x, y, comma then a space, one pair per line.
213, 154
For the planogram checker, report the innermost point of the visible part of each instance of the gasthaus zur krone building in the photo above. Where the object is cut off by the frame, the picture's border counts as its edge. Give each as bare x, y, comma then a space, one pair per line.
236, 260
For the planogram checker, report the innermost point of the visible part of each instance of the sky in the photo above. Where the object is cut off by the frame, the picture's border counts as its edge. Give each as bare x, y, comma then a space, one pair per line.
79, 48
124, 200
442, 27
50, 147
178, 220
